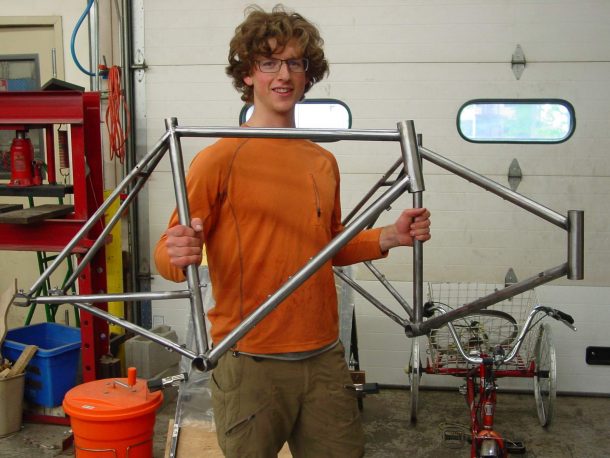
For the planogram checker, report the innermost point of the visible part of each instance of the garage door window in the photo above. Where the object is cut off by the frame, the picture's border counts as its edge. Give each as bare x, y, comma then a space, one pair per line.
516, 121
314, 114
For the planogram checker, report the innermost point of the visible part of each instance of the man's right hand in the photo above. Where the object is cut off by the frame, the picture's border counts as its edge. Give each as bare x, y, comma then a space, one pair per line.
184, 244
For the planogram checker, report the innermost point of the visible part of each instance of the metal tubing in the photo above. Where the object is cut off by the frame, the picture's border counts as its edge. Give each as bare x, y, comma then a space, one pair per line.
159, 149
496, 188
576, 244
412, 164
94, 46
264, 132
101, 239
410, 155
493, 298
50, 155
182, 205
383, 181
118, 297
130, 156
388, 286
411, 181
418, 270
136, 329
369, 297
309, 269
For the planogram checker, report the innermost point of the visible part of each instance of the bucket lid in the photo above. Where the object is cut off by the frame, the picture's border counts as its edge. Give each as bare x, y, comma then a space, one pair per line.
111, 399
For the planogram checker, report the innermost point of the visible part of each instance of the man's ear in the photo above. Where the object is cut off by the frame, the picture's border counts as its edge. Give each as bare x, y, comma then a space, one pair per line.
248, 80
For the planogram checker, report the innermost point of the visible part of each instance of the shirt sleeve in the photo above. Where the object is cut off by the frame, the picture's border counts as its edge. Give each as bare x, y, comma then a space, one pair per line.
364, 246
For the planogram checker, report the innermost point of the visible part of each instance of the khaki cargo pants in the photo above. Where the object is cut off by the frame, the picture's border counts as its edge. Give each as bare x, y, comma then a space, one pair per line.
259, 404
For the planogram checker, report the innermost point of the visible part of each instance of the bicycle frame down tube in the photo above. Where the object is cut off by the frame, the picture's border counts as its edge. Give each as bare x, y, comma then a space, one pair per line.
395, 191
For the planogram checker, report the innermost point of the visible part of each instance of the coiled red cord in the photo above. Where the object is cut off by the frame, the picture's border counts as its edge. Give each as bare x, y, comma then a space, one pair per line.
116, 100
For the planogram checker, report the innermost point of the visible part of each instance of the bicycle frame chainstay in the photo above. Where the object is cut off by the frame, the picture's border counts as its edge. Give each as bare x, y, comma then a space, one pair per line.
481, 400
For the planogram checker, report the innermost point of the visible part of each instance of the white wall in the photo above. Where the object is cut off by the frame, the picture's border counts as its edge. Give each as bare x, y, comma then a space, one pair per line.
394, 60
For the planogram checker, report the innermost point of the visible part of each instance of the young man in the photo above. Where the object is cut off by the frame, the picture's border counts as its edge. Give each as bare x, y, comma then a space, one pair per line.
264, 207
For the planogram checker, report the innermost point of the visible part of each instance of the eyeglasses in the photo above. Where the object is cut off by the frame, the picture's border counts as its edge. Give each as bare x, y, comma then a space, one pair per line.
272, 65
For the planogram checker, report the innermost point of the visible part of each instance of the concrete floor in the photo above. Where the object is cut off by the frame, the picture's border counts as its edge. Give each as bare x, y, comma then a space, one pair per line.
580, 427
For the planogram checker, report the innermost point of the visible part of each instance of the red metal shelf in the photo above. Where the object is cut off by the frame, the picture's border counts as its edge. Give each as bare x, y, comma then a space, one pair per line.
46, 110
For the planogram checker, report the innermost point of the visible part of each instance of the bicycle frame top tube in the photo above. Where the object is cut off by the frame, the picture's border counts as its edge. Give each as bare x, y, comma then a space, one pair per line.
504, 359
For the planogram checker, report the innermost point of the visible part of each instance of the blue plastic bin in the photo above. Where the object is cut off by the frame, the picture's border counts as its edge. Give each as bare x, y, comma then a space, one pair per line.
53, 369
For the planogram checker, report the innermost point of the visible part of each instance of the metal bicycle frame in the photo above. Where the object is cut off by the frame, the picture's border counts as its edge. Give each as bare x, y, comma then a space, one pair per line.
409, 179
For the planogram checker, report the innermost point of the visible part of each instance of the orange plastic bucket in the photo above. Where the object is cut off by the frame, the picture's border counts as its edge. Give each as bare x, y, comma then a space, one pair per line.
113, 417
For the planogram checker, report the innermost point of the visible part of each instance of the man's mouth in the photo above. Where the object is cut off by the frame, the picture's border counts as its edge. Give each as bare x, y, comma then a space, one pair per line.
282, 90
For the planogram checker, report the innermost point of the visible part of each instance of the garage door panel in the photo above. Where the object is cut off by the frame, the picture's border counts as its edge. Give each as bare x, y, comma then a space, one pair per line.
396, 31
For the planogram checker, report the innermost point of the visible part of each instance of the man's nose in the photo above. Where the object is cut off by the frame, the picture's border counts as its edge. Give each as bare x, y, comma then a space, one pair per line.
283, 72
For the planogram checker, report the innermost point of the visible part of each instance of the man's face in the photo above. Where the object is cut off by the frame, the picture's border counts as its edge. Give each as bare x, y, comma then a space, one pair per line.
276, 93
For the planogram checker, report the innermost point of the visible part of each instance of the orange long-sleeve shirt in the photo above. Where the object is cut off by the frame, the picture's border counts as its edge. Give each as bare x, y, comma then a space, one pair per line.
268, 206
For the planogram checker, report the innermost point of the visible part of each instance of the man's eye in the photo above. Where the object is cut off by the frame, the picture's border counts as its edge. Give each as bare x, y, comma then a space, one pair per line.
267, 63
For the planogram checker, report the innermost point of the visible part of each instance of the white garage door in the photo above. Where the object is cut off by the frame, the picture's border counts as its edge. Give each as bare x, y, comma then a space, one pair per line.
394, 60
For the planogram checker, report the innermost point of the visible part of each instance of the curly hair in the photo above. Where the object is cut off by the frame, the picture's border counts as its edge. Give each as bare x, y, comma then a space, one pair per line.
251, 40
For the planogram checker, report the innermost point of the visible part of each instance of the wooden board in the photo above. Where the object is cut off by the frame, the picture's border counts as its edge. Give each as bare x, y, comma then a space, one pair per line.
45, 190
10, 207
36, 214
24, 359
197, 440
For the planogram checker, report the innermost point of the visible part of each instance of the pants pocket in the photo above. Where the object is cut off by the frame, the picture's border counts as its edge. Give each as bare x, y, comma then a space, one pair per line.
242, 412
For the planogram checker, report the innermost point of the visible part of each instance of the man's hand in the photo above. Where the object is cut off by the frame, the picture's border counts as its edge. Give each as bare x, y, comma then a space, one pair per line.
412, 224
184, 244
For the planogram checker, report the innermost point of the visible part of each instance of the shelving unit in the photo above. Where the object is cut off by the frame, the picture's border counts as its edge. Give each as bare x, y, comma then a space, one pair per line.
81, 111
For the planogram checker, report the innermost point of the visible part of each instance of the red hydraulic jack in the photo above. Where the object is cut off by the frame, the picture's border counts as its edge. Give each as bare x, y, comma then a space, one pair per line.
22, 157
